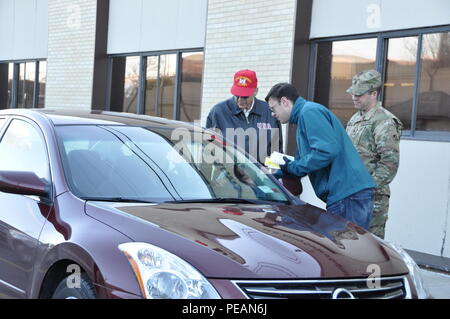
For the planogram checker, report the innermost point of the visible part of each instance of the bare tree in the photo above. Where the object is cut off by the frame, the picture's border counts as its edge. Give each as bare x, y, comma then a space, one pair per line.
435, 54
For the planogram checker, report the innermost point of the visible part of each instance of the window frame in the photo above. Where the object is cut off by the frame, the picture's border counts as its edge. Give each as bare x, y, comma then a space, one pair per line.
140, 108
16, 78
380, 62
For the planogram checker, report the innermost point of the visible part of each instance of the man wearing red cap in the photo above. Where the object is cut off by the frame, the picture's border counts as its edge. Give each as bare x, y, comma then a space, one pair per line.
245, 119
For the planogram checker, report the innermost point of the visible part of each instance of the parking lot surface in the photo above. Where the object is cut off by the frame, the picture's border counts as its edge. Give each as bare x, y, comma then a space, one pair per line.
438, 284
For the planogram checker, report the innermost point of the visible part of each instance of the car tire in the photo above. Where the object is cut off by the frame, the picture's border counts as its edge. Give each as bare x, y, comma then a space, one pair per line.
85, 290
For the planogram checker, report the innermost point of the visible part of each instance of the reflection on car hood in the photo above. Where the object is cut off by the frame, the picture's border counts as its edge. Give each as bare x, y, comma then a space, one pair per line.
254, 241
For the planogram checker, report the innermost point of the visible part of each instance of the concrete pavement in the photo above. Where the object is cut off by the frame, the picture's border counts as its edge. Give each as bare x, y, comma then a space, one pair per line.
438, 284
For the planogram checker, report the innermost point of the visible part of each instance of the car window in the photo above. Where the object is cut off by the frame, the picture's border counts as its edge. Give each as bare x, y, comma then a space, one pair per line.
145, 164
23, 149
232, 174
209, 167
184, 177
98, 163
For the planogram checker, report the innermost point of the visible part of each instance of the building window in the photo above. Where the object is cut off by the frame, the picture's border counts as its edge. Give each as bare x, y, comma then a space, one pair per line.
22, 84
167, 75
191, 86
27, 80
433, 109
5, 83
415, 65
160, 85
339, 62
152, 86
131, 84
42, 80
400, 77
10, 83
166, 85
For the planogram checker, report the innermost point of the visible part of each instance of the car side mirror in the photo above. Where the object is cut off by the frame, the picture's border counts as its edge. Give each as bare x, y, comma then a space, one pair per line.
23, 183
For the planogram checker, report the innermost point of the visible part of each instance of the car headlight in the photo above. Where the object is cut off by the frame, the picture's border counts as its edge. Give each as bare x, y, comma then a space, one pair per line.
162, 275
414, 271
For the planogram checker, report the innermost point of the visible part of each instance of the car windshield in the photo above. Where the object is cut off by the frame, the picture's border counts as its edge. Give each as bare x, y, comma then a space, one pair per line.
128, 163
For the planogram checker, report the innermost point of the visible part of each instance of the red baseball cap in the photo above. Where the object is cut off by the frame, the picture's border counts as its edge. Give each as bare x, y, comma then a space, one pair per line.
245, 83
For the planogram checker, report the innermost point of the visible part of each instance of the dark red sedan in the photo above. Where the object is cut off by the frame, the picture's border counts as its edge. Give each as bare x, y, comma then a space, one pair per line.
109, 205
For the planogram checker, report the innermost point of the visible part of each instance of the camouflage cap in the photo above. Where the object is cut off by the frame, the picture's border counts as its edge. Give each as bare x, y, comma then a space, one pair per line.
365, 81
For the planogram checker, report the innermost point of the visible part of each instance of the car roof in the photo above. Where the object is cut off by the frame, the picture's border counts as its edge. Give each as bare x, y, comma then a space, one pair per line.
98, 117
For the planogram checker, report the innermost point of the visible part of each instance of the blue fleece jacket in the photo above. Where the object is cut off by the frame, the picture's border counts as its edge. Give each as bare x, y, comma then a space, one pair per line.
326, 154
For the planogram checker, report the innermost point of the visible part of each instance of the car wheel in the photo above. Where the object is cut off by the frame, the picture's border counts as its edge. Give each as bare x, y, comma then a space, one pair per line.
85, 289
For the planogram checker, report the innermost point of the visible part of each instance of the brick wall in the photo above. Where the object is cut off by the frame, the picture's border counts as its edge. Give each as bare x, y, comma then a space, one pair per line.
71, 47
246, 34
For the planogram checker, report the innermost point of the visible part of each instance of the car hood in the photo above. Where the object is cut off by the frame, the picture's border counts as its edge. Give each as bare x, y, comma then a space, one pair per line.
254, 241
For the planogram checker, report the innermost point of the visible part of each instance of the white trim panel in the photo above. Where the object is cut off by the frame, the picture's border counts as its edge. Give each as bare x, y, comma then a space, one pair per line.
347, 17
152, 25
23, 29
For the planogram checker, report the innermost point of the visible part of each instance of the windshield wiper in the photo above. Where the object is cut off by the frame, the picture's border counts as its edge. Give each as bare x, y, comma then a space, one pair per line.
117, 199
219, 200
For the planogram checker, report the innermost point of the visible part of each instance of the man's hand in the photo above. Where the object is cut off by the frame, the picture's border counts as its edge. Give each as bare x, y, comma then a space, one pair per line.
284, 167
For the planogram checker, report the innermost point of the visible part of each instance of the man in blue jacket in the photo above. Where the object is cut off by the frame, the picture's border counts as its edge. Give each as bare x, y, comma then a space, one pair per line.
245, 120
326, 154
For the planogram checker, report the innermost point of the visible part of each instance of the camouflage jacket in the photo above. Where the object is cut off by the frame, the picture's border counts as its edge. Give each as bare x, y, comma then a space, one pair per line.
376, 136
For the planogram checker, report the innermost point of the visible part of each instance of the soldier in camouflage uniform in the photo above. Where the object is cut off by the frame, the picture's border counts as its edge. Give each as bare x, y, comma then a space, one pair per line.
375, 132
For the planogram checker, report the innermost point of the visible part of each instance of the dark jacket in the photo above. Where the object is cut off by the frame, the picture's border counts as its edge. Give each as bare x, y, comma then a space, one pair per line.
261, 132
326, 153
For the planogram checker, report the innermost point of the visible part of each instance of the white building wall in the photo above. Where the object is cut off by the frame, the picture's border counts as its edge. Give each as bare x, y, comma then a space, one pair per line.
71, 48
250, 34
6, 29
41, 28
23, 29
420, 202
346, 17
154, 25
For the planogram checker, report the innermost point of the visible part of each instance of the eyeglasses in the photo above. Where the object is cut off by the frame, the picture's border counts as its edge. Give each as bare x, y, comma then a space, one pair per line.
242, 97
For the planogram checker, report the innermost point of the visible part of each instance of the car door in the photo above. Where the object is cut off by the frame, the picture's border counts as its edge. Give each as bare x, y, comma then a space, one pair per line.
22, 148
